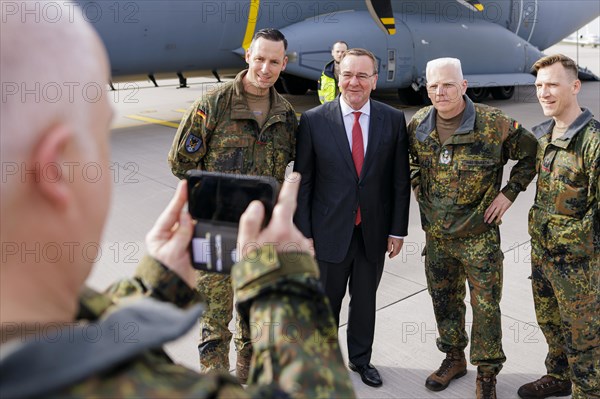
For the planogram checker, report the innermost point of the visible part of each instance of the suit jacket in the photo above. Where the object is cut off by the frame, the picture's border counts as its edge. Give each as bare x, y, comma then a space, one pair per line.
331, 191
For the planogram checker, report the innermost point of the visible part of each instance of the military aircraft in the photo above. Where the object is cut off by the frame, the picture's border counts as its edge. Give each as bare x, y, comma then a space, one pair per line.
496, 40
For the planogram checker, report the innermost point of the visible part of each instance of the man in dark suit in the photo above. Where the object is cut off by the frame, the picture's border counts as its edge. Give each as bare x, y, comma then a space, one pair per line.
352, 154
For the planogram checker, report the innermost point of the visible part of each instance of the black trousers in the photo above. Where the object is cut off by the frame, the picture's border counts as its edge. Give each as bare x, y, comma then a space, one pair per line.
361, 277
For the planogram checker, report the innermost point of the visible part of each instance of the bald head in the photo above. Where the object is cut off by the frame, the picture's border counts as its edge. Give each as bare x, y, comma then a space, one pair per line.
52, 71
54, 141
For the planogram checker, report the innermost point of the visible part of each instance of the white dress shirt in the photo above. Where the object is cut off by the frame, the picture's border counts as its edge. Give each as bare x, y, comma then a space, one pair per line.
365, 116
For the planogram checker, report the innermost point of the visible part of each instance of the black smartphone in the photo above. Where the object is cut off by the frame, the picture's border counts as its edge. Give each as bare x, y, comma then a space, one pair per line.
216, 201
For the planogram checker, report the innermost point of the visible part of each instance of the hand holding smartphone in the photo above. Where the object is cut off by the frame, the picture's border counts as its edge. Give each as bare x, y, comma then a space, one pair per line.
216, 201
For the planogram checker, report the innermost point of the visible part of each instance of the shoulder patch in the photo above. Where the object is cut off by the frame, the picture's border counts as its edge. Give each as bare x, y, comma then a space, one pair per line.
193, 144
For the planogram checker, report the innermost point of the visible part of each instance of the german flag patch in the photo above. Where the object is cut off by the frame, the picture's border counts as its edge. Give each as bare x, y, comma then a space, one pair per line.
201, 113
515, 125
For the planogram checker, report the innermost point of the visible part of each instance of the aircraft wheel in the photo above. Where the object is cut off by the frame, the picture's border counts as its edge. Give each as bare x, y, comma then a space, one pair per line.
503, 92
411, 97
295, 85
279, 86
478, 94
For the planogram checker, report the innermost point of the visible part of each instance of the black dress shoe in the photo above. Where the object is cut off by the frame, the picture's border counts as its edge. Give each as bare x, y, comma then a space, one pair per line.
368, 374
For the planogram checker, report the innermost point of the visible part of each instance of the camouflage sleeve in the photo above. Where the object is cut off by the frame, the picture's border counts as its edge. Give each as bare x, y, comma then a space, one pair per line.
415, 168
191, 140
295, 349
519, 145
154, 280
286, 148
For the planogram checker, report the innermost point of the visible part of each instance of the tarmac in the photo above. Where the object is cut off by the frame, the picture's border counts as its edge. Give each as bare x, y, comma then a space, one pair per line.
404, 349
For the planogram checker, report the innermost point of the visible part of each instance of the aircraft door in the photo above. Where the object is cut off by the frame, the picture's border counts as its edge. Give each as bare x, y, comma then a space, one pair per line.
399, 57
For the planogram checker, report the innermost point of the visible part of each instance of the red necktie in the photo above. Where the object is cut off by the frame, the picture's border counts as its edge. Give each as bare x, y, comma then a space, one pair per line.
358, 153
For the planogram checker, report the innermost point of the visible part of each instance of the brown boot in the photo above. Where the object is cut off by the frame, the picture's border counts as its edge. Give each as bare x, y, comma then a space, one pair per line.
485, 386
242, 368
453, 366
545, 387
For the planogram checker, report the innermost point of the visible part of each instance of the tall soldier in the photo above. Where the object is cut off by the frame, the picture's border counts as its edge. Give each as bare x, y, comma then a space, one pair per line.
564, 224
244, 127
458, 150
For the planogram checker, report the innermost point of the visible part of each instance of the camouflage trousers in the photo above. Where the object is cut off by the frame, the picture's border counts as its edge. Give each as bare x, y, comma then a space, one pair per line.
566, 293
478, 260
215, 335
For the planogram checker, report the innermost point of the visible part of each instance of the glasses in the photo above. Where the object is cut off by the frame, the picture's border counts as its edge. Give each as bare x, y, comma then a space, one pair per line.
362, 77
446, 87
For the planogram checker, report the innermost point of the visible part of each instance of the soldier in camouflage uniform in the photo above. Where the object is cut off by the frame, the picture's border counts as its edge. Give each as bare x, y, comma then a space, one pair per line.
243, 127
564, 224
47, 350
458, 150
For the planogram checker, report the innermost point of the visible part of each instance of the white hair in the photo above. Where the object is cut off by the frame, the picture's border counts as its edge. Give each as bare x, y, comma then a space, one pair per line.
443, 63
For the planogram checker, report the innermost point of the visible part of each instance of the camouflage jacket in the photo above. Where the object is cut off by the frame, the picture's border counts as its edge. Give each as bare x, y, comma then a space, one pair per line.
219, 133
455, 182
117, 351
565, 216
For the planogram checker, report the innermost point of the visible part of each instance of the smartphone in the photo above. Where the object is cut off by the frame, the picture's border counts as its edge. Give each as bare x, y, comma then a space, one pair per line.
216, 201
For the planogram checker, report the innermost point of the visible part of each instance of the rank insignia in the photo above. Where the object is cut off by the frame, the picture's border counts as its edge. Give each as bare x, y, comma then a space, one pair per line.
445, 156
193, 143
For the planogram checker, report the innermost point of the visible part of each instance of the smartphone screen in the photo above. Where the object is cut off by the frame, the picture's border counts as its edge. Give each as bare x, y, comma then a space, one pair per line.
220, 197
216, 201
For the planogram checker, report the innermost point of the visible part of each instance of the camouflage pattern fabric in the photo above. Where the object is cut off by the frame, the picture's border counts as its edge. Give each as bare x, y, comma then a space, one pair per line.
457, 181
296, 354
478, 259
219, 133
564, 224
297, 344
214, 324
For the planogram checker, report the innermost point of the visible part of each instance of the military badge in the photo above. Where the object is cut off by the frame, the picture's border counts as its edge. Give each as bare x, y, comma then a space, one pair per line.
445, 156
193, 143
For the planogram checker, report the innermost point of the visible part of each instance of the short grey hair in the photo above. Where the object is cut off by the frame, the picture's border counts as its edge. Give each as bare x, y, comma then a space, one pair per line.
442, 63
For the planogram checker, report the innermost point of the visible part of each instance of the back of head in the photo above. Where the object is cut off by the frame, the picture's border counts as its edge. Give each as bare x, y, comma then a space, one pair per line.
55, 120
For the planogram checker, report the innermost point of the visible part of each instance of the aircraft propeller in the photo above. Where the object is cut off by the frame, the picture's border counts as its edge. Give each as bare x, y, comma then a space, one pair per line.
382, 13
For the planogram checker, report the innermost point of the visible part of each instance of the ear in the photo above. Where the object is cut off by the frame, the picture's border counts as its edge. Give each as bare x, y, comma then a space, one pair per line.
285, 60
576, 86
463, 86
247, 56
49, 158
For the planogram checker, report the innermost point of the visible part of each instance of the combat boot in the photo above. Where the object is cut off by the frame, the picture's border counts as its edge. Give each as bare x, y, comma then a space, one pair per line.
243, 367
485, 386
453, 366
545, 387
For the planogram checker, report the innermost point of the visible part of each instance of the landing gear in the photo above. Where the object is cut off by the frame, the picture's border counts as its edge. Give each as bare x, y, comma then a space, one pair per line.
153, 80
182, 81
478, 94
294, 85
412, 97
503, 92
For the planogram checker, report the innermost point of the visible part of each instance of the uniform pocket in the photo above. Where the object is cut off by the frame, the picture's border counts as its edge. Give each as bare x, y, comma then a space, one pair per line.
227, 154
475, 178
571, 191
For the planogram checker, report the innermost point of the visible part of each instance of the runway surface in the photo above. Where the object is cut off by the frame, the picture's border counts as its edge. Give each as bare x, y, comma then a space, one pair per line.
404, 351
